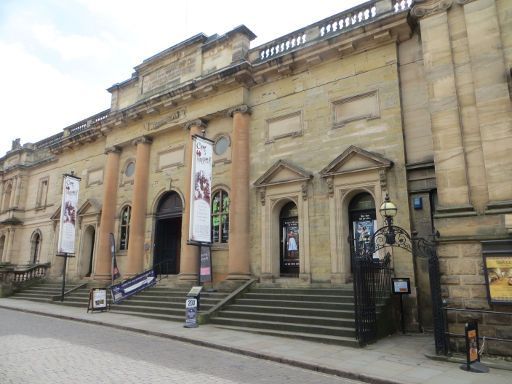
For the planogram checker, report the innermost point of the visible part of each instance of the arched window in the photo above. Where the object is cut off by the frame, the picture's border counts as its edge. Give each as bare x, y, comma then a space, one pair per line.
35, 247
124, 227
220, 217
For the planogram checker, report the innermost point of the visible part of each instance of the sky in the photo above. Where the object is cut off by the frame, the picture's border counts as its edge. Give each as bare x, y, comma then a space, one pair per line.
58, 57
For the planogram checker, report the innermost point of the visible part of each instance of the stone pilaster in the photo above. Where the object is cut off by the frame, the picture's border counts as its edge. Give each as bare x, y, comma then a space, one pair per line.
9, 240
189, 261
14, 192
103, 263
135, 256
491, 94
450, 158
238, 262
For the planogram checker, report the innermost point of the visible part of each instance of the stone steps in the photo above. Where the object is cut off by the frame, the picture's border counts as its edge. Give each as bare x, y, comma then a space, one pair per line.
159, 302
317, 314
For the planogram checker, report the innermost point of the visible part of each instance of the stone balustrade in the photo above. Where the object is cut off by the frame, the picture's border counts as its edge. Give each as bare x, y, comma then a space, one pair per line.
324, 29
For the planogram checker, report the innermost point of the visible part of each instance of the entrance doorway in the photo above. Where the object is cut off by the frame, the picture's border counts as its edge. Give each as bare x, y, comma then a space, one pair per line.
166, 258
362, 222
289, 240
88, 251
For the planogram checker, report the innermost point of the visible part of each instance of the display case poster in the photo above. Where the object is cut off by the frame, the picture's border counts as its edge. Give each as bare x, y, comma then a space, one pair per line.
364, 228
200, 190
68, 210
291, 243
498, 270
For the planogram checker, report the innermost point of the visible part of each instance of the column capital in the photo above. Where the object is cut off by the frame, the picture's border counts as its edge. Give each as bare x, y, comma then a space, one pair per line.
112, 149
200, 123
142, 140
243, 108
423, 8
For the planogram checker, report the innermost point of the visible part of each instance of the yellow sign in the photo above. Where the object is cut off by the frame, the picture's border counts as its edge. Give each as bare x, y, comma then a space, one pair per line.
499, 276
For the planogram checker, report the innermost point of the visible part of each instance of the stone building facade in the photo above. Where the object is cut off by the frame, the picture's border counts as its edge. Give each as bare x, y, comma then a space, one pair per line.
311, 130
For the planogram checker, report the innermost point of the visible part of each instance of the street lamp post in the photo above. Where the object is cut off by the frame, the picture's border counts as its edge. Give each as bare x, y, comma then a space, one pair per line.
388, 210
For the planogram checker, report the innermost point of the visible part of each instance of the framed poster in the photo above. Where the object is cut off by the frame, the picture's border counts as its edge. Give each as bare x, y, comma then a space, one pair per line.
97, 299
498, 277
401, 286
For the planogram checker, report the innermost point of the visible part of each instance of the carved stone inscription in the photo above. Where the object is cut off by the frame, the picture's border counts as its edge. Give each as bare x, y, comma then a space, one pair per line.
169, 74
173, 117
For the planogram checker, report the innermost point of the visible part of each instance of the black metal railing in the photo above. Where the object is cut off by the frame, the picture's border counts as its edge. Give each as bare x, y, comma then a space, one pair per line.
487, 319
372, 279
427, 250
165, 268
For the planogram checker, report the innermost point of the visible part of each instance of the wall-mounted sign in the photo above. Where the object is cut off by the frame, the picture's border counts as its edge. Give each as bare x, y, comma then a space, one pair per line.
498, 276
401, 286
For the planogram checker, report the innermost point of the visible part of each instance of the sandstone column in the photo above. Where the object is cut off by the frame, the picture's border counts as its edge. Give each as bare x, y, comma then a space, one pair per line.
189, 263
238, 262
135, 258
103, 263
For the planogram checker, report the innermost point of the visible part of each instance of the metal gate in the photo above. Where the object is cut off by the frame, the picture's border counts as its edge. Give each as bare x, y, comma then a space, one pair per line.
372, 281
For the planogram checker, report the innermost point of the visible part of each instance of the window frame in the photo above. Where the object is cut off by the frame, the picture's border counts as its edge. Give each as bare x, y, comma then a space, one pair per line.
124, 228
216, 217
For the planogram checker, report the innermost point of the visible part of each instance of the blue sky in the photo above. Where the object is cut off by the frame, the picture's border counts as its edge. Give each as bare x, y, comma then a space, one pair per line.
59, 56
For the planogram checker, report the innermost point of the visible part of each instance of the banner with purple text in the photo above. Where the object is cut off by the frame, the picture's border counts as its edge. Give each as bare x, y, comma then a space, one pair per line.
68, 210
200, 191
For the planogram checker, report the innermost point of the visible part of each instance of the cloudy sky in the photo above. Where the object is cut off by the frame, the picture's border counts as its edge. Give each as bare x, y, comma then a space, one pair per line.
59, 56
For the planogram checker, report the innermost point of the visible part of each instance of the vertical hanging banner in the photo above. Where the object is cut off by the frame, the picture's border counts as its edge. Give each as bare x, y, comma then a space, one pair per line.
200, 190
68, 210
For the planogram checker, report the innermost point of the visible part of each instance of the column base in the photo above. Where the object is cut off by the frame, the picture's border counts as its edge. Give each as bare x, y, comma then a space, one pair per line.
238, 276
192, 277
341, 278
101, 277
266, 278
305, 278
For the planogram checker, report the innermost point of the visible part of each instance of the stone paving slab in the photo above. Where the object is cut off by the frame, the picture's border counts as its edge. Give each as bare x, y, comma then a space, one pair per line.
396, 359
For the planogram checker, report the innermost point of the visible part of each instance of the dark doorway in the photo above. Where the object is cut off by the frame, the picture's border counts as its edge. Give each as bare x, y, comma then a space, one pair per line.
362, 222
92, 236
289, 238
166, 259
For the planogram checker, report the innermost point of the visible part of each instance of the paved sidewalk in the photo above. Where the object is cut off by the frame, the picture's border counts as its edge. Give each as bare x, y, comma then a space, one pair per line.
396, 359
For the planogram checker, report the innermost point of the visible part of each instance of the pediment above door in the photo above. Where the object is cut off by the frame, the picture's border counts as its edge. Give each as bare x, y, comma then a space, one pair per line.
355, 159
282, 172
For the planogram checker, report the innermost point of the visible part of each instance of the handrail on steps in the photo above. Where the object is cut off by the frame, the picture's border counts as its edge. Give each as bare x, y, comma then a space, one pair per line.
205, 316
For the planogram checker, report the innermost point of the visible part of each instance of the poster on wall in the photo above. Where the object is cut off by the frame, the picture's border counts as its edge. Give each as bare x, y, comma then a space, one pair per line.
68, 211
498, 275
200, 190
364, 228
